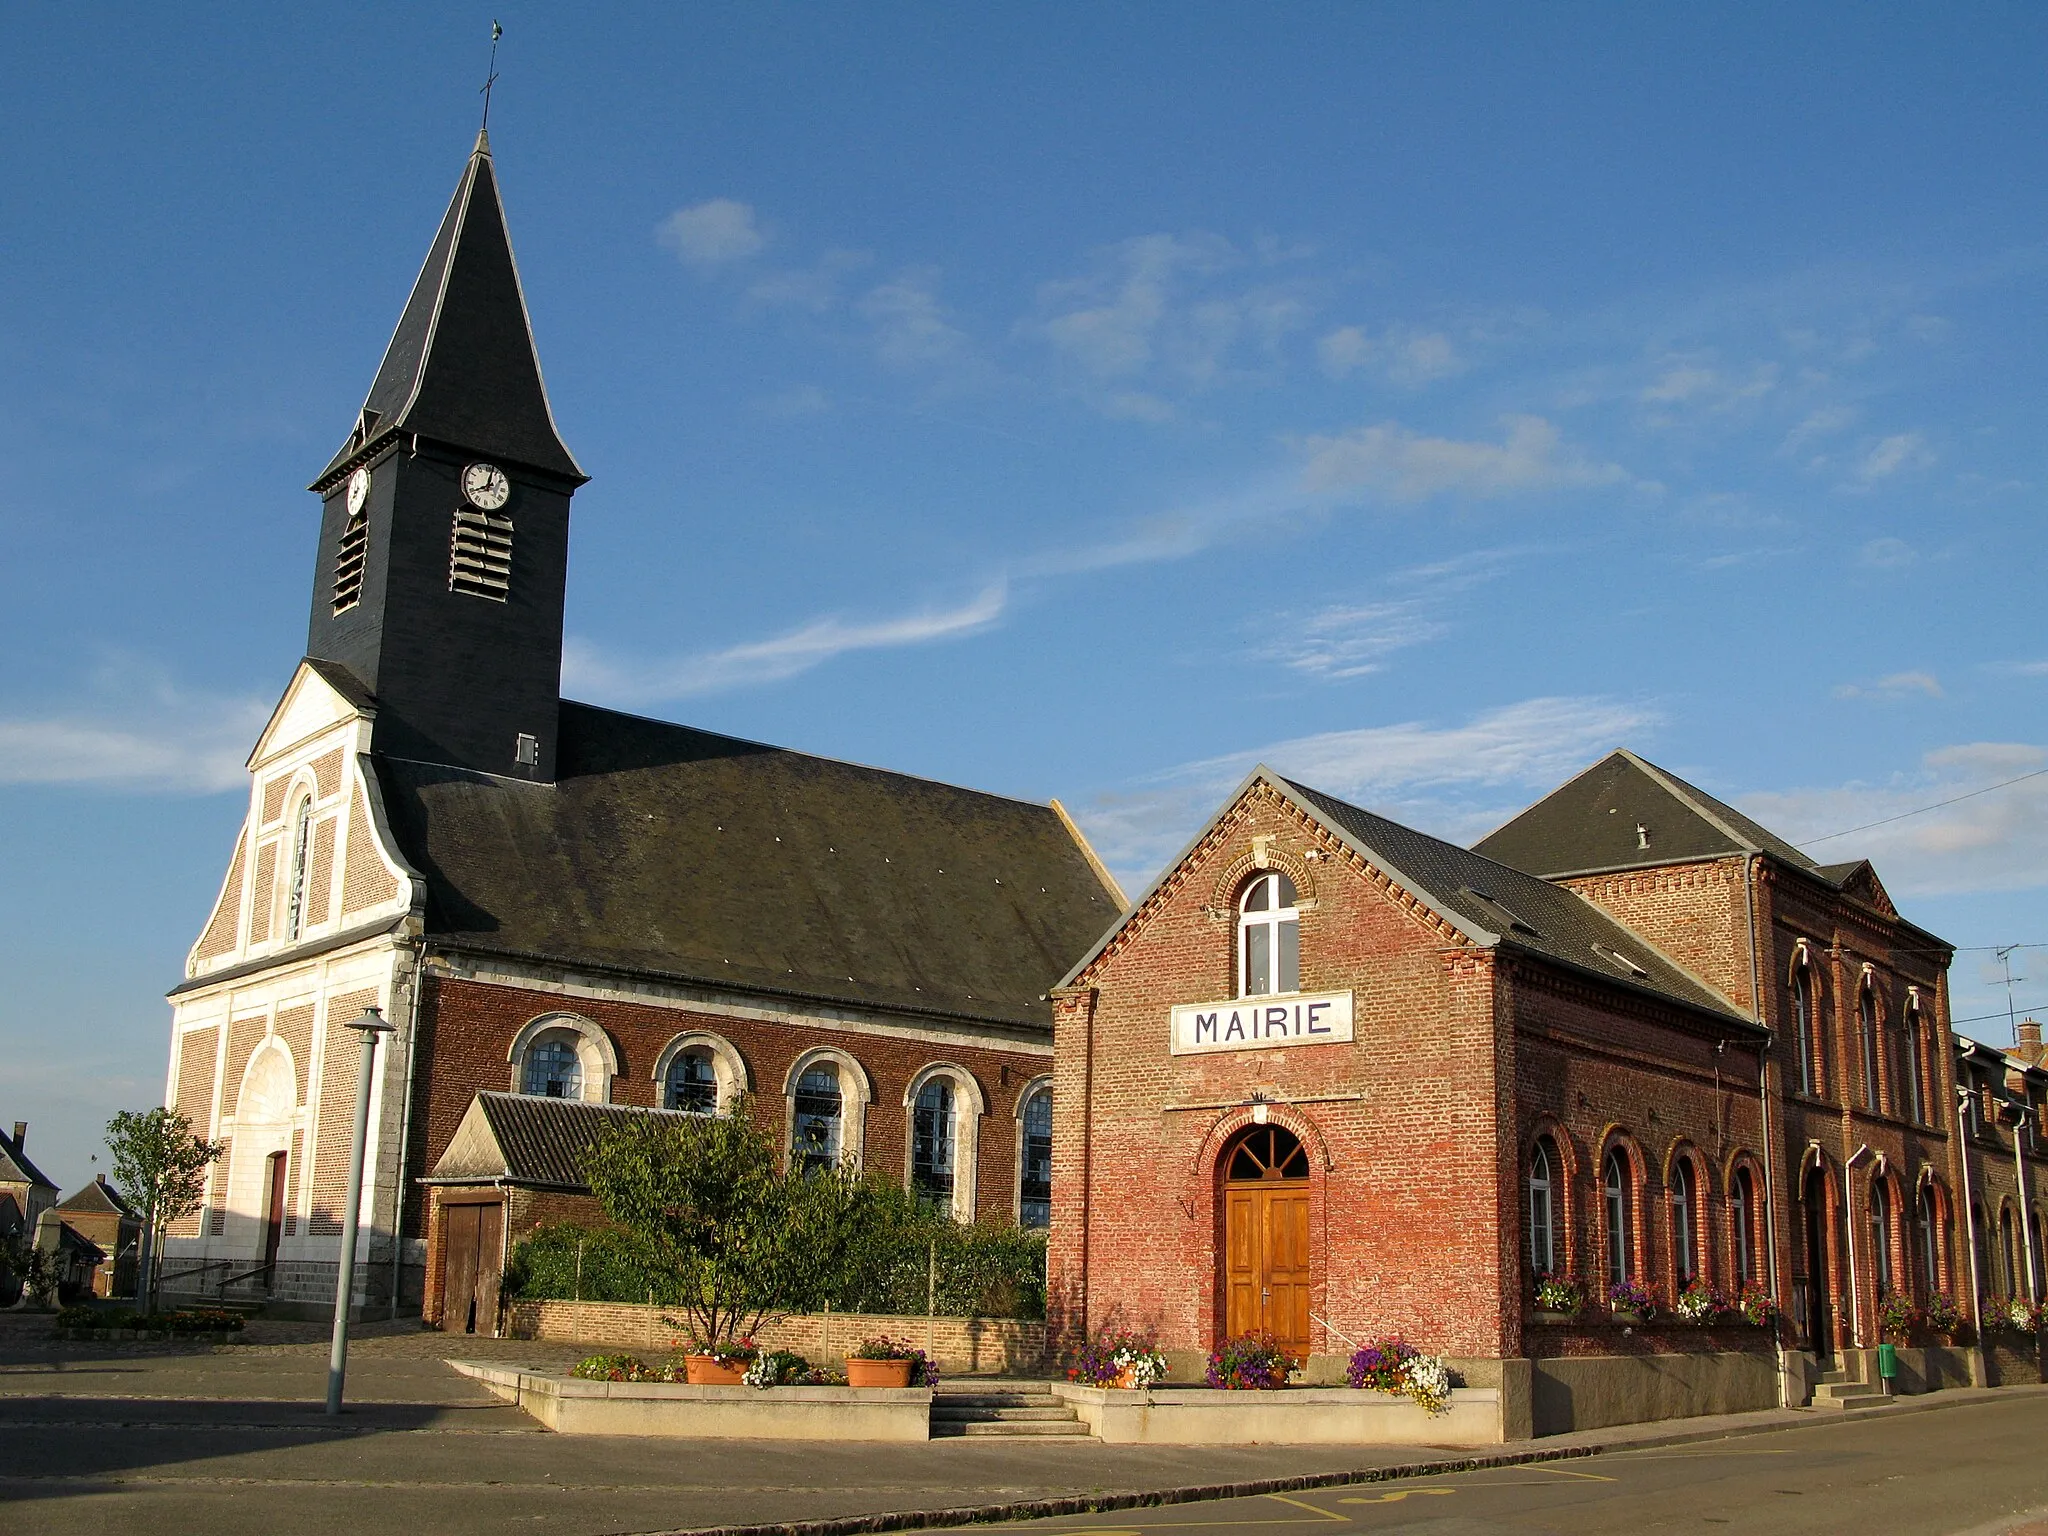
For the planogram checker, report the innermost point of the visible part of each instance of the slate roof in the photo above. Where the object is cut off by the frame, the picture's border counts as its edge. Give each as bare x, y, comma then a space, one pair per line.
98, 1198
1589, 824
462, 367
15, 1168
1495, 905
527, 1140
667, 850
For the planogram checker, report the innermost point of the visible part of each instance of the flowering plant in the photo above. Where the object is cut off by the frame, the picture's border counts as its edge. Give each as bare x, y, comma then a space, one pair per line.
1249, 1362
730, 1353
924, 1372
1896, 1316
1631, 1297
1393, 1365
777, 1368
1756, 1306
1104, 1360
1559, 1293
1699, 1303
2018, 1314
615, 1368
1942, 1315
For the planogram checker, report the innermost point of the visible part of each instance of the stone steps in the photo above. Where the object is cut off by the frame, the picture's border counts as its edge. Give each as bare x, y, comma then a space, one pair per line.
1019, 1410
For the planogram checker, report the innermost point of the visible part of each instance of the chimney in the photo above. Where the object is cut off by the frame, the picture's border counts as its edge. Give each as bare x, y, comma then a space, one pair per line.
101, 1180
20, 1134
2029, 1042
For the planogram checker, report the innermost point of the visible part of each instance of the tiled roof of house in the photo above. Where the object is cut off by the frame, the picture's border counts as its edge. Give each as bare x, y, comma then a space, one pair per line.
522, 1139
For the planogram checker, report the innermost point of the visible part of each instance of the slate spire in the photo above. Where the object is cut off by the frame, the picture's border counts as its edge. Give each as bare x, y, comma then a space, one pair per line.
462, 368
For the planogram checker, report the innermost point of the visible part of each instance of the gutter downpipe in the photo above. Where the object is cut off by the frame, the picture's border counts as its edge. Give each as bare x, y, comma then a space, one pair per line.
2019, 1167
1969, 1211
1849, 1242
418, 949
1763, 1109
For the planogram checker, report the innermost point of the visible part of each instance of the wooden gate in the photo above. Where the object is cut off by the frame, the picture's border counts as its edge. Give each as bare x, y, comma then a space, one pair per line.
1267, 1259
471, 1239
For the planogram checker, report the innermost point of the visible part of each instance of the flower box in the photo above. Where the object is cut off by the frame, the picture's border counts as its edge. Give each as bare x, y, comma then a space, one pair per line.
878, 1373
1631, 1316
710, 1371
1555, 1319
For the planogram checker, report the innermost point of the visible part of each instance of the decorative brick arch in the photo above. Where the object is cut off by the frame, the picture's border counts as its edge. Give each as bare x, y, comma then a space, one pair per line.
597, 1057
1261, 858
1564, 1186
1226, 1126
1683, 1150
1617, 1137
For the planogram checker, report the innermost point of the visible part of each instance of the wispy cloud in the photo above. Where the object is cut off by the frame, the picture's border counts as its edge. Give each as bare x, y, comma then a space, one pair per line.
1355, 639
1400, 355
1391, 461
137, 732
1991, 842
1888, 456
595, 674
1900, 685
911, 327
1887, 554
1445, 779
712, 233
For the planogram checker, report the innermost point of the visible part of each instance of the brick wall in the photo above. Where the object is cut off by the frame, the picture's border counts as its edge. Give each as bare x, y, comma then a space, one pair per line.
1692, 912
337, 1113
224, 931
320, 872
262, 894
365, 882
327, 773
960, 1344
196, 1052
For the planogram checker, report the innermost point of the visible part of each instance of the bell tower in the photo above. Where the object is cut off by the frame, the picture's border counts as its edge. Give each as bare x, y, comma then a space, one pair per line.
444, 535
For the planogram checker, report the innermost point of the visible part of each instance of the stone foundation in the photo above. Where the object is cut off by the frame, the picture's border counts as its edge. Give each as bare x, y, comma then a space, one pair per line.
572, 1407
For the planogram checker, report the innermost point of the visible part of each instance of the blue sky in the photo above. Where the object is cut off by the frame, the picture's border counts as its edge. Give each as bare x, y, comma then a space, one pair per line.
1066, 401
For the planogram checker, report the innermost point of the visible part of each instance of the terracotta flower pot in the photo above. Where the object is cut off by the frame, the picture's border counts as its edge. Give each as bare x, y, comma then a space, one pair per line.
878, 1373
1127, 1378
710, 1371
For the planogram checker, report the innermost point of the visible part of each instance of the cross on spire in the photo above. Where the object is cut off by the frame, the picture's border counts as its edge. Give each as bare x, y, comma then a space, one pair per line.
490, 78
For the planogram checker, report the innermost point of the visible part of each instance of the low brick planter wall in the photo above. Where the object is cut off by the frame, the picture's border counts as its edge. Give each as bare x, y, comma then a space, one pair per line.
1290, 1416
960, 1345
147, 1336
655, 1409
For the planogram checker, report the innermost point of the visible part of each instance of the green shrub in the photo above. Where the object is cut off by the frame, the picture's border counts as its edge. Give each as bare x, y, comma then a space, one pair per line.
545, 1267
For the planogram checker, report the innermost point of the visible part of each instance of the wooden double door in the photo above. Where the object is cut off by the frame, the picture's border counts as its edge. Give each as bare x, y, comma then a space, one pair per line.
1267, 1259
472, 1260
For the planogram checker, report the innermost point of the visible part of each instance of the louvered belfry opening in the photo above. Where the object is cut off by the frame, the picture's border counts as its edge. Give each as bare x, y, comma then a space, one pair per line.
480, 555
348, 563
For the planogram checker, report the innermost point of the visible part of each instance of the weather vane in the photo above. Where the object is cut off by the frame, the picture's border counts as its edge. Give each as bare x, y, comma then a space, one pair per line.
491, 74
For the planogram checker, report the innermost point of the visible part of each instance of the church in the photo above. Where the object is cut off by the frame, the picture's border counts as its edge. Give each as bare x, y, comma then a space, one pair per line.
1328, 1078
564, 903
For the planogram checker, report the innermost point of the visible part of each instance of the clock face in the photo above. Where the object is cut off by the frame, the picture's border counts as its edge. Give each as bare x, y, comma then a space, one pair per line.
486, 486
358, 489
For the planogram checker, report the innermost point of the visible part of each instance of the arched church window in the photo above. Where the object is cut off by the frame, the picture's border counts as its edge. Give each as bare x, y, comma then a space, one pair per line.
1034, 1178
1618, 1185
1685, 1213
1741, 1220
1866, 1019
1805, 1026
932, 1145
819, 1118
1268, 937
1881, 1234
1930, 1245
302, 842
553, 1070
692, 1084
1916, 1095
1543, 1223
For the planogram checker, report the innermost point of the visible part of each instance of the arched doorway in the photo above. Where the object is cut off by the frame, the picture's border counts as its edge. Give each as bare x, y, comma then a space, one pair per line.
1819, 1319
1266, 1244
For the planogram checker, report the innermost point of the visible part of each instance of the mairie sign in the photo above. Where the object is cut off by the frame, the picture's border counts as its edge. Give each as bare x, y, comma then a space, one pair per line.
1262, 1023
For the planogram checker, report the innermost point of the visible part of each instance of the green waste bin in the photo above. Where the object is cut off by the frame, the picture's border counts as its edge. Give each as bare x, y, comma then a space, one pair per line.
1887, 1364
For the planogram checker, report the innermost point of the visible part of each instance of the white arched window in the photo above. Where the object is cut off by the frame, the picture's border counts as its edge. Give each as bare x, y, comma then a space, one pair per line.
302, 848
1619, 1189
1881, 1234
1930, 1247
945, 1107
1543, 1171
1805, 1025
1916, 1096
563, 1056
1268, 937
1685, 1238
1741, 1218
699, 1073
1034, 1156
825, 1097
1866, 1020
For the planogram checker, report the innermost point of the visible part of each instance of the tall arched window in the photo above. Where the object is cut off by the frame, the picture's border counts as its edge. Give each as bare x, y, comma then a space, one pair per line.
1619, 1189
1866, 1019
819, 1118
2007, 1253
692, 1084
1916, 1097
1930, 1249
1268, 937
552, 1068
302, 846
1804, 1029
1685, 1242
1741, 1220
1544, 1169
1034, 1176
931, 1145
1881, 1234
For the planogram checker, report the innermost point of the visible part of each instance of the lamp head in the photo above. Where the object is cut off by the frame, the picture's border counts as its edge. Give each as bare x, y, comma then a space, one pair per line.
372, 1019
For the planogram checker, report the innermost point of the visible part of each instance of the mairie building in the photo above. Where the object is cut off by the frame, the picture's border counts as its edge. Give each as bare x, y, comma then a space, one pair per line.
1328, 1078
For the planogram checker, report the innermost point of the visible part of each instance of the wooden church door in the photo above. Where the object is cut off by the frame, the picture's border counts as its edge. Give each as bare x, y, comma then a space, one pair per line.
470, 1275
1267, 1257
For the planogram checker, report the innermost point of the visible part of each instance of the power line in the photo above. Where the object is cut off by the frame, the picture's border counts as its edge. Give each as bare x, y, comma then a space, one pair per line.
1923, 810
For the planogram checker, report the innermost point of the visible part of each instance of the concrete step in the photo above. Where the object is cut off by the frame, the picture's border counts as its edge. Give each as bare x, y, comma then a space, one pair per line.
1034, 1429
949, 1413
994, 1399
1840, 1398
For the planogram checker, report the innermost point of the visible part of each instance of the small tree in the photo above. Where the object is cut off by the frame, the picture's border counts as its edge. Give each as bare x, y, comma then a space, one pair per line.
732, 1239
162, 1166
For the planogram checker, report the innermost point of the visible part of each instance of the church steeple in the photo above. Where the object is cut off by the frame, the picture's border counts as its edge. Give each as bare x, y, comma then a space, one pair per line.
444, 543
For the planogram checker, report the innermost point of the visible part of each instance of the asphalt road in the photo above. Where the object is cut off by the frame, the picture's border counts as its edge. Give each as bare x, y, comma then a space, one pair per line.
96, 1439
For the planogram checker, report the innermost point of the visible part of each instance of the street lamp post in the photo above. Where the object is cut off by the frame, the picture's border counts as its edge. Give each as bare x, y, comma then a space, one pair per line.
371, 1024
